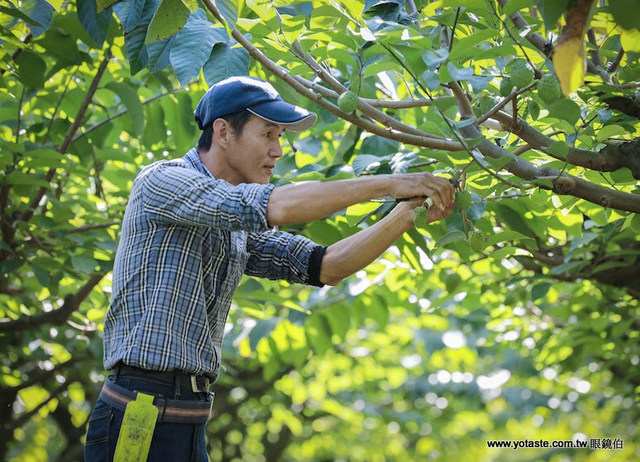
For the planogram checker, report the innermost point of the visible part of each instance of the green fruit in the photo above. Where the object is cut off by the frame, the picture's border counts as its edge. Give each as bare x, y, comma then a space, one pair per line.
521, 73
549, 88
348, 102
506, 86
451, 281
420, 216
463, 199
477, 240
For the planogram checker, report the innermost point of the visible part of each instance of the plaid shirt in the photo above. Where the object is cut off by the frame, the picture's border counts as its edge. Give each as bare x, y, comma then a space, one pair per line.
186, 240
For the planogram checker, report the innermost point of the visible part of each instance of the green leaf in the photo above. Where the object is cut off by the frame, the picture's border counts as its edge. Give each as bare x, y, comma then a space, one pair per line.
83, 263
102, 5
31, 69
504, 236
158, 54
630, 40
41, 12
453, 236
516, 5
130, 99
168, 19
56, 4
565, 109
131, 12
540, 290
61, 46
263, 8
95, 24
624, 13
43, 158
464, 46
262, 329
551, 11
318, 333
192, 47
16, 13
224, 62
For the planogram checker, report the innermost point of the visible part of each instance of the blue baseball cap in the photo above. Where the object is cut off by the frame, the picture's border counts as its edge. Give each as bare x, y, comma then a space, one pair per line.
255, 95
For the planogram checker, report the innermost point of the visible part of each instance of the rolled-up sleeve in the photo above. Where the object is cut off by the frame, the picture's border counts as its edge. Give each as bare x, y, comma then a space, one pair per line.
280, 255
173, 194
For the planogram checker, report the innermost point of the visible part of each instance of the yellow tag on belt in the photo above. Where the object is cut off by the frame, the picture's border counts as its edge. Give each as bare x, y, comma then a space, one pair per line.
136, 431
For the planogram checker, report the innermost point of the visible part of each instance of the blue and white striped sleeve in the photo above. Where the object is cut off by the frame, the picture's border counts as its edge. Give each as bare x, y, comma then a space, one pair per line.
280, 255
173, 194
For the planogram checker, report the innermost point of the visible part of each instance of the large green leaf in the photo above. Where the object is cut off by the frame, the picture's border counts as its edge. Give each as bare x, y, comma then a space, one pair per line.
95, 24
225, 61
41, 12
168, 19
193, 45
130, 99
31, 69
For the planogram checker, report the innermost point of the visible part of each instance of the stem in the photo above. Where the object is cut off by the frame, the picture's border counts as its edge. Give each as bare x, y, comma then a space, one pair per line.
453, 29
19, 116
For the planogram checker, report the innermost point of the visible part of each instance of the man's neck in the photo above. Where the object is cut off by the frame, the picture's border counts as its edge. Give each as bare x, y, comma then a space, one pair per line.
214, 161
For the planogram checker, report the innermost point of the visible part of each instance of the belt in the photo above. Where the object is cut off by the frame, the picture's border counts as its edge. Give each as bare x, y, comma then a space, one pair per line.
169, 410
195, 383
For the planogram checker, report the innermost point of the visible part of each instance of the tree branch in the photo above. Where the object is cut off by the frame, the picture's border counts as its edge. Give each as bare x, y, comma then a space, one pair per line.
57, 316
68, 139
616, 155
374, 102
24, 418
561, 183
39, 377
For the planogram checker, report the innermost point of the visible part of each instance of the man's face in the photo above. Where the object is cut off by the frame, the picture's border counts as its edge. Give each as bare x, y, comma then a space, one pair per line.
253, 154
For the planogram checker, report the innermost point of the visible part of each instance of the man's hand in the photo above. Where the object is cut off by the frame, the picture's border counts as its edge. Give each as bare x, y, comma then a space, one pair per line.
424, 184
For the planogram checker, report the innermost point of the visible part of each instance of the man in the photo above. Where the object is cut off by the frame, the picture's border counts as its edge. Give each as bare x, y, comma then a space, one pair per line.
192, 227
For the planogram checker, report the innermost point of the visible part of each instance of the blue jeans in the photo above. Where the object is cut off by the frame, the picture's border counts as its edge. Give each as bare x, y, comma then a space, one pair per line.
171, 441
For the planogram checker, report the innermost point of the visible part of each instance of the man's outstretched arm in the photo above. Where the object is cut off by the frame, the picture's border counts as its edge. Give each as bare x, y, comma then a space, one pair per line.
306, 202
355, 252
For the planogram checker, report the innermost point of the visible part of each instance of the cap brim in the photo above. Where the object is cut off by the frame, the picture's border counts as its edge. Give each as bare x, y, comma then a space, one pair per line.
280, 112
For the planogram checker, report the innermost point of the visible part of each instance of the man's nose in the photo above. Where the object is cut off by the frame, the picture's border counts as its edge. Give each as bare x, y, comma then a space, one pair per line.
276, 150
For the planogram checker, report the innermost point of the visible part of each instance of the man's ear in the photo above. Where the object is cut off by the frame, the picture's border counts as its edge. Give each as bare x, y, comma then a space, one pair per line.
221, 132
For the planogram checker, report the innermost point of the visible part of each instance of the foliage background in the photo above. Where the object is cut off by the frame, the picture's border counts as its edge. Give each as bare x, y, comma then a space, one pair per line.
431, 351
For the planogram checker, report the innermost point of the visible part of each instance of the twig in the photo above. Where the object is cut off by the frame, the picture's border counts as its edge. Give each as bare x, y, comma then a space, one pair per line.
595, 53
613, 66
57, 316
82, 229
453, 29
115, 116
503, 103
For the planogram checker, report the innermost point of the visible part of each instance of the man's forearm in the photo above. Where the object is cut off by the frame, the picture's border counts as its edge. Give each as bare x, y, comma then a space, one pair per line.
355, 252
305, 202
310, 201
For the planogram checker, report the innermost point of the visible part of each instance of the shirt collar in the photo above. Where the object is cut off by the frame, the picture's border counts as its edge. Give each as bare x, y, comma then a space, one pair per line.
192, 158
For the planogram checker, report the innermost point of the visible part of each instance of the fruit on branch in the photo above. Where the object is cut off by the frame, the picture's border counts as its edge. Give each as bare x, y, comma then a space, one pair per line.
420, 215
477, 240
348, 102
549, 88
463, 199
506, 86
521, 73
